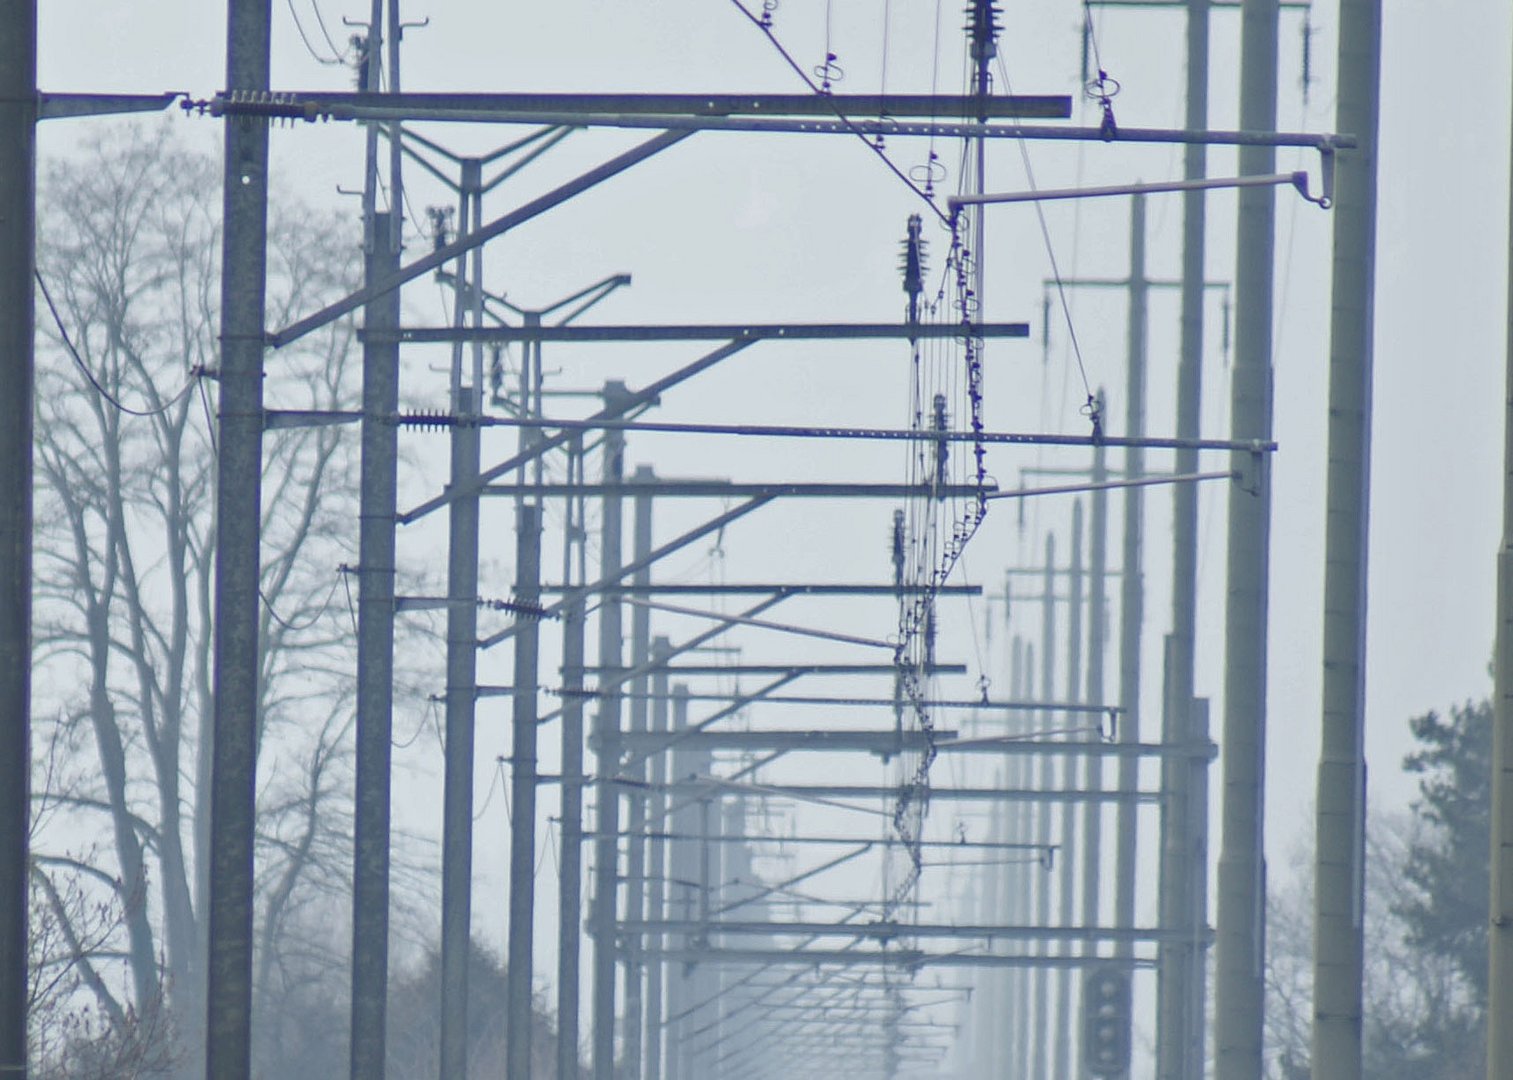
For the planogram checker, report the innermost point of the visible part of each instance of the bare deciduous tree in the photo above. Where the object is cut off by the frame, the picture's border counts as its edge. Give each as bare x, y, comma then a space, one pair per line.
129, 262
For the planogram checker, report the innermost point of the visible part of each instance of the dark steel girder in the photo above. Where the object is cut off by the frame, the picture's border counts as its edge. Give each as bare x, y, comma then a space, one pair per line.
586, 106
891, 742
726, 489
720, 332
901, 959
894, 931
791, 589
871, 742
823, 114
956, 845
852, 701
681, 670
715, 787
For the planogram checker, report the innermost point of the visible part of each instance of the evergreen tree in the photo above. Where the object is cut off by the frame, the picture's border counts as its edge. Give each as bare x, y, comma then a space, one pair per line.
1427, 887
1442, 905
1447, 864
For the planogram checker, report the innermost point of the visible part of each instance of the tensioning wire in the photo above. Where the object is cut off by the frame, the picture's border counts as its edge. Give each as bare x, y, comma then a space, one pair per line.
1050, 250
329, 61
850, 124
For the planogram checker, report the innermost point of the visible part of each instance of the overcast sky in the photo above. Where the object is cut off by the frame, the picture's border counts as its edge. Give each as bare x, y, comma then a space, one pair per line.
762, 228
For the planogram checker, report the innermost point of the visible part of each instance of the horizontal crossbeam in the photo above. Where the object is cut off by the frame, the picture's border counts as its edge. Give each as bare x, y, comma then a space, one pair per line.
852, 121
714, 788
893, 958
968, 704
726, 489
889, 930
870, 742
566, 108
704, 332
791, 589
954, 845
987, 438
679, 670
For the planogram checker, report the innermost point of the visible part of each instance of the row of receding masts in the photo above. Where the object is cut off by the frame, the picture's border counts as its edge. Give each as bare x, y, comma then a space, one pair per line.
1009, 1038
236, 607
1184, 780
641, 982
689, 1019
238, 510
1046, 1042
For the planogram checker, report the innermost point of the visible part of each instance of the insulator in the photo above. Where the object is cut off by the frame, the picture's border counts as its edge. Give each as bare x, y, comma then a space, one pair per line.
521, 609
914, 265
983, 26
264, 103
427, 421
1307, 79
898, 544
440, 218
360, 57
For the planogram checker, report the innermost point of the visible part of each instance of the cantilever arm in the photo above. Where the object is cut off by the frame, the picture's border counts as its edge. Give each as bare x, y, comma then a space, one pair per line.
462, 244
1297, 179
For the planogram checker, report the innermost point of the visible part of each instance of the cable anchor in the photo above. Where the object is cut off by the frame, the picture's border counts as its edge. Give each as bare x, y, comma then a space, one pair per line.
1103, 90
1093, 410
829, 72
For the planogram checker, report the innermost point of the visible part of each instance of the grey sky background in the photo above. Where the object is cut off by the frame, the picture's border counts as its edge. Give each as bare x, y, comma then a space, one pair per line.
769, 228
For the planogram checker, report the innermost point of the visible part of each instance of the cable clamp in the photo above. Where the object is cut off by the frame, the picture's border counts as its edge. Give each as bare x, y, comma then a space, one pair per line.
1093, 410
829, 72
1103, 90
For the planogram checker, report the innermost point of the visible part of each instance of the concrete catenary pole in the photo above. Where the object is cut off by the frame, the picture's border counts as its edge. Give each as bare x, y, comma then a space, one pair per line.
520, 1013
18, 115
656, 863
989, 1009
1131, 585
233, 791
1183, 974
635, 859
1016, 1022
1175, 1000
607, 751
1043, 1021
570, 889
462, 664
1239, 994
1500, 922
988, 904
1339, 873
373, 750
520, 969
375, 663
1066, 908
1097, 615
1028, 884
682, 870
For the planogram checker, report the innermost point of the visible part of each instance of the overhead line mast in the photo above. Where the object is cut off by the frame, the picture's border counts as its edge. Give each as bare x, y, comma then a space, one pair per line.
378, 486
239, 465
18, 133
